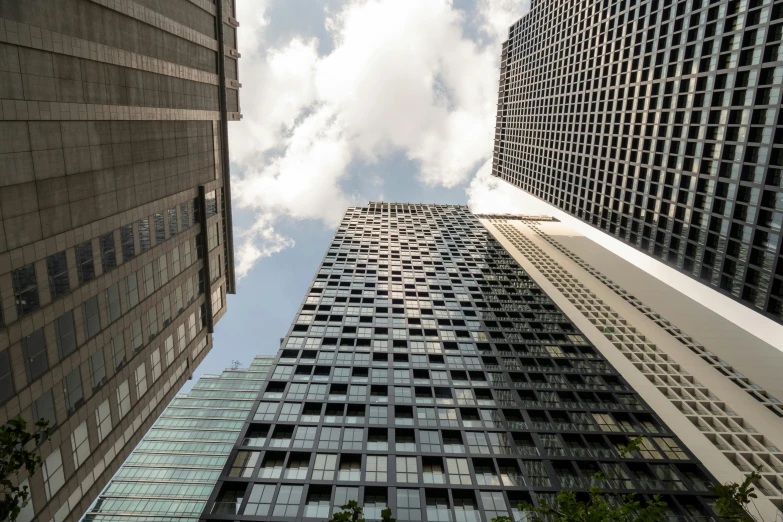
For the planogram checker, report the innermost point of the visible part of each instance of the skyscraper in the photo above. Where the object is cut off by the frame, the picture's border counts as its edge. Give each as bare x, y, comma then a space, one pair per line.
175, 466
428, 372
657, 122
715, 385
116, 248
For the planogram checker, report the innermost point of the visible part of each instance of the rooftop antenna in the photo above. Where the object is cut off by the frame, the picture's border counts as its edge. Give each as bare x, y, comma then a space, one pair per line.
235, 365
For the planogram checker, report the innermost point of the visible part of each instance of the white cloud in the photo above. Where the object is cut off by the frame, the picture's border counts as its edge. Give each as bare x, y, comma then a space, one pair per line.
488, 194
403, 77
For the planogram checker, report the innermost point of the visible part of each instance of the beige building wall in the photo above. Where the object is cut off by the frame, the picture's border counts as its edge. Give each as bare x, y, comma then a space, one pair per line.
115, 222
668, 347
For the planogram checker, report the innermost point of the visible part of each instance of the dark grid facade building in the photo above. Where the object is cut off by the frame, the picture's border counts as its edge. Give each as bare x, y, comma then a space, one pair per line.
427, 372
659, 123
115, 224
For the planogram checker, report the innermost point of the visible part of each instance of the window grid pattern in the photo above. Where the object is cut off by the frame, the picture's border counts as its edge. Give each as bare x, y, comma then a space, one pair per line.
174, 467
424, 293
657, 122
734, 436
763, 396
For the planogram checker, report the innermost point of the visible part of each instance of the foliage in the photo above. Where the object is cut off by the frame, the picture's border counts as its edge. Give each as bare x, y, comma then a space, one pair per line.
734, 499
14, 457
352, 512
599, 506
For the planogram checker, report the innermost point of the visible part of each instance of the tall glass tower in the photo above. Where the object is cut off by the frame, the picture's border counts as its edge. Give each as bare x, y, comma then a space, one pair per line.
172, 471
658, 122
426, 371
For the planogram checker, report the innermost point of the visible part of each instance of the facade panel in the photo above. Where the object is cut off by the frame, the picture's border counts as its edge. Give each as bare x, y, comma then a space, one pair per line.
172, 471
428, 372
113, 177
710, 381
659, 123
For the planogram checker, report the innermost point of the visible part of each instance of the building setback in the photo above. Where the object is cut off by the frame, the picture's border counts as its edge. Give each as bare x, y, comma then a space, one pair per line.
175, 466
658, 122
426, 371
115, 224
715, 385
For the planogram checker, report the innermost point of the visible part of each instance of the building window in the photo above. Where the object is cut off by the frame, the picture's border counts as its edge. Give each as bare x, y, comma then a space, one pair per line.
166, 310
350, 468
57, 266
290, 412
141, 380
297, 467
97, 370
163, 270
408, 504
196, 216
353, 438
317, 505
74, 395
213, 239
85, 266
377, 467
126, 243
53, 474
671, 449
43, 409
175, 263
156, 369
185, 215
494, 504
149, 280
304, 437
6, 378
182, 340
458, 471
288, 500
438, 506
103, 420
108, 251
118, 351
27, 513
123, 398
132, 290
152, 322
64, 334
325, 466
217, 300
113, 302
25, 289
260, 500
92, 318
137, 340
173, 228
272, 467
244, 464
34, 351
210, 199
407, 470
145, 241
160, 228
80, 444
168, 347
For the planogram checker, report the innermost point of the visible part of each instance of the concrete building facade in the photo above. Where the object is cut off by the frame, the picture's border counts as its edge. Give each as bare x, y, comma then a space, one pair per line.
426, 371
714, 384
658, 122
116, 252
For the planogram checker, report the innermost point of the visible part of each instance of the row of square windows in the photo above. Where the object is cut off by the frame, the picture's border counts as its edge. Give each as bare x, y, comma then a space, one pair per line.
35, 352
24, 280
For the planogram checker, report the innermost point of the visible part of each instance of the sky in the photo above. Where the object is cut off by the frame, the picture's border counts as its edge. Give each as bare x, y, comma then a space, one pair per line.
349, 101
